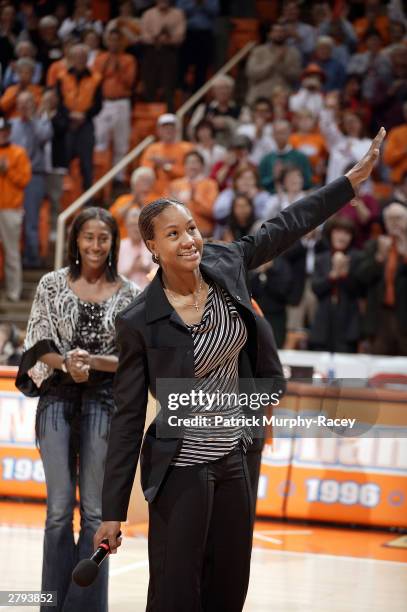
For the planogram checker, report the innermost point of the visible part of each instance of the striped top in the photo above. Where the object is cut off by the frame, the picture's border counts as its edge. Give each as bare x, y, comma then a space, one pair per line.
218, 339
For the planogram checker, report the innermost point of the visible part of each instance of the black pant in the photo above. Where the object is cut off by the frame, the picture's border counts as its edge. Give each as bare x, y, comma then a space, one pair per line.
80, 143
253, 460
209, 502
196, 51
159, 71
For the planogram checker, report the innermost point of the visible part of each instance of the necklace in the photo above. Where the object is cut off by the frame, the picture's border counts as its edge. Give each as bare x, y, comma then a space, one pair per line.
195, 304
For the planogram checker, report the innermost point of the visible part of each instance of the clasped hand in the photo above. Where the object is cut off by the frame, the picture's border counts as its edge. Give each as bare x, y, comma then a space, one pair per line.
77, 363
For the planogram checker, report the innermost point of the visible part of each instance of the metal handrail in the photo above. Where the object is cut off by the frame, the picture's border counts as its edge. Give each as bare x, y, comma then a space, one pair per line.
127, 159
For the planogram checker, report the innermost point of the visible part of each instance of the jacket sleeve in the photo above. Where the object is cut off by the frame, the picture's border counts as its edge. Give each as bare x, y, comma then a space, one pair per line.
127, 427
276, 235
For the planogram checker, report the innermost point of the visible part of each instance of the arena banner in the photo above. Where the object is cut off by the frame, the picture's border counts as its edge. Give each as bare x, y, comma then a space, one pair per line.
351, 479
21, 470
274, 483
340, 477
359, 480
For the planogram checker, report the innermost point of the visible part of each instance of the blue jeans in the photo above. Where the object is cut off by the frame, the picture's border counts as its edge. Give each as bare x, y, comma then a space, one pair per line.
33, 196
78, 419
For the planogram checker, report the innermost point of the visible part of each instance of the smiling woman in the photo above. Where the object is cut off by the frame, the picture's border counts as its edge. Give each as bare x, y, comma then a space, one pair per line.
69, 362
196, 321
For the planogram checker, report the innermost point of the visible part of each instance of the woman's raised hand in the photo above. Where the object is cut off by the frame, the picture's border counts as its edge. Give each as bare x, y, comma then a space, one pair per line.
363, 168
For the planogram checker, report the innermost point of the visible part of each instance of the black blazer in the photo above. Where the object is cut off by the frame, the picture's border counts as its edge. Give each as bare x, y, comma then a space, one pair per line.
154, 343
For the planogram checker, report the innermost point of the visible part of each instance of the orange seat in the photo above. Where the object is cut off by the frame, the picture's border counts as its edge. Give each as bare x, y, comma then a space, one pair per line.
244, 31
144, 120
267, 10
100, 10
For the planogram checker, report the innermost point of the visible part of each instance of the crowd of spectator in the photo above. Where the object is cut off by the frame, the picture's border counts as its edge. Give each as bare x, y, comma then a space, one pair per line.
311, 97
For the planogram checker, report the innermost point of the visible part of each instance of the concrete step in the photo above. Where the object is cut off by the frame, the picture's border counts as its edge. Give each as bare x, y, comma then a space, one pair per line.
19, 312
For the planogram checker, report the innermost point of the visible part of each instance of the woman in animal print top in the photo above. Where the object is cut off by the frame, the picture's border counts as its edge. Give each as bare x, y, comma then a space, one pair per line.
69, 362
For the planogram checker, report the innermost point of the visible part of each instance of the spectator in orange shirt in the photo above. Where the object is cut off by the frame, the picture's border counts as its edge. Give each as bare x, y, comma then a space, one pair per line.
80, 93
310, 141
25, 71
395, 151
166, 156
142, 191
197, 191
15, 174
118, 71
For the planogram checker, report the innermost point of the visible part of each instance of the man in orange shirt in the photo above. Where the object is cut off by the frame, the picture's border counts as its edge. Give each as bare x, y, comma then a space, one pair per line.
15, 174
166, 156
197, 191
80, 94
25, 71
58, 68
118, 72
395, 151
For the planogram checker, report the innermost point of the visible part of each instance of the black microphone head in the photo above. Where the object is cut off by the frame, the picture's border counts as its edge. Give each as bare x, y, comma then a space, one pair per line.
85, 572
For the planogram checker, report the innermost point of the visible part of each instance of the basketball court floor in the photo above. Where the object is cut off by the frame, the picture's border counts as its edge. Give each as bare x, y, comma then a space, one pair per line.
295, 567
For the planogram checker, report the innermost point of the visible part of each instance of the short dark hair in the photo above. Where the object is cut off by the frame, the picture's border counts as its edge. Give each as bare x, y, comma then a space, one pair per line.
87, 214
288, 168
150, 212
262, 100
195, 153
204, 123
339, 222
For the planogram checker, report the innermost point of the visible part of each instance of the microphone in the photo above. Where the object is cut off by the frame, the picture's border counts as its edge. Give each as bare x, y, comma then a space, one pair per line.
87, 570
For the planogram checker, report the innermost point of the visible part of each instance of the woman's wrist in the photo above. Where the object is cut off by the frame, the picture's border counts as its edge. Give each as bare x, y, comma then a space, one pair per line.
63, 364
353, 178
